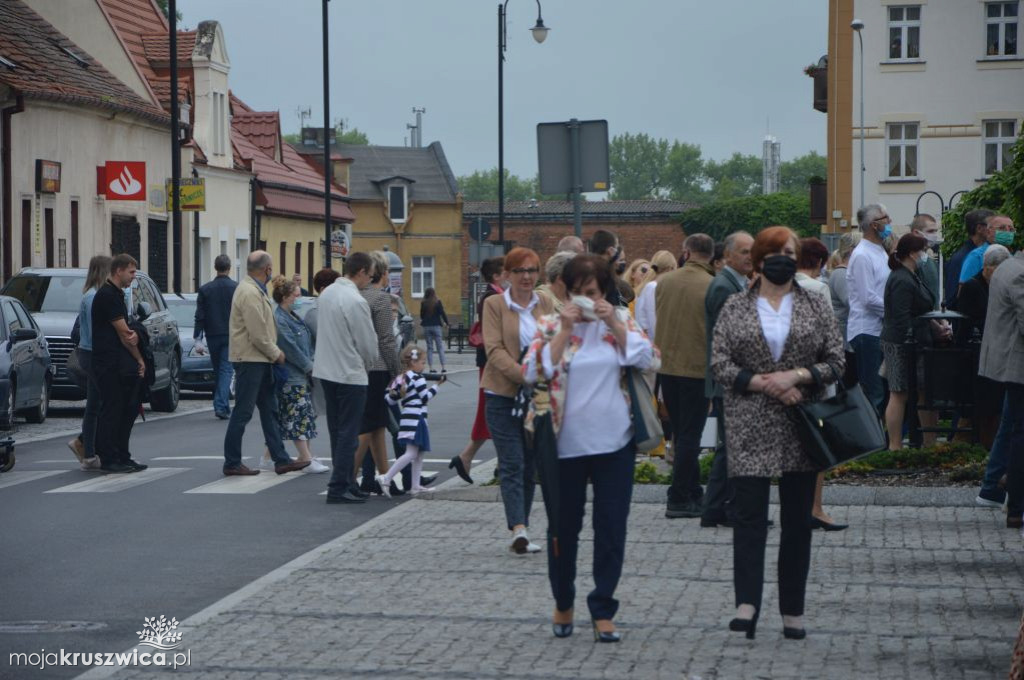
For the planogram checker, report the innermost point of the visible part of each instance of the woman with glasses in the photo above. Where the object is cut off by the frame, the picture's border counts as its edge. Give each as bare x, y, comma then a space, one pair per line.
509, 323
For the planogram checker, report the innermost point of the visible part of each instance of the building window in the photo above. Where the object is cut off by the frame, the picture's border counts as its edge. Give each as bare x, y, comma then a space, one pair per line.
218, 123
74, 234
422, 274
1000, 136
62, 252
284, 257
901, 143
1001, 29
298, 257
905, 32
26, 233
396, 204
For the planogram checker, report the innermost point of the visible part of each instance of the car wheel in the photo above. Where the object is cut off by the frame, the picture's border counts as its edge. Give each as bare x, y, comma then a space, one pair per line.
37, 414
166, 400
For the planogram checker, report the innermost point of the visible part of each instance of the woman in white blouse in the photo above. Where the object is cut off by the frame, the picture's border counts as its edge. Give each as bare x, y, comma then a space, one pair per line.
582, 353
662, 263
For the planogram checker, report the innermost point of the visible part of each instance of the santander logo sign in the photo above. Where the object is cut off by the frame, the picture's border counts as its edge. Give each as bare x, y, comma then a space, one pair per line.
124, 181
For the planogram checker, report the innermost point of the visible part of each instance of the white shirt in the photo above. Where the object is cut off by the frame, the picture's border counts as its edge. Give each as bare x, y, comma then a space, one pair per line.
814, 286
645, 308
775, 324
595, 416
527, 324
865, 282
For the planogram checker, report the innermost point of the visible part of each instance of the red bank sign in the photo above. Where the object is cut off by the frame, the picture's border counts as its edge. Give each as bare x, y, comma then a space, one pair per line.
122, 180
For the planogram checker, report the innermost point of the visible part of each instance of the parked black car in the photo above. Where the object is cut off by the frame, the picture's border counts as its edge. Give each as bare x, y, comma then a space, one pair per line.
196, 369
53, 297
24, 363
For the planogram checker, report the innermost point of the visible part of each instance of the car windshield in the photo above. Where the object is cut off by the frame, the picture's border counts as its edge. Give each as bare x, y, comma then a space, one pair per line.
47, 293
183, 311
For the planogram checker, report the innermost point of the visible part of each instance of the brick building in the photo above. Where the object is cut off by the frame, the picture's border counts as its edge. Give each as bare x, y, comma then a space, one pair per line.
644, 227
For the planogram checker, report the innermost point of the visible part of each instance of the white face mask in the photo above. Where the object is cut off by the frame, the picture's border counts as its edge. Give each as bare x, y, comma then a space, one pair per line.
586, 306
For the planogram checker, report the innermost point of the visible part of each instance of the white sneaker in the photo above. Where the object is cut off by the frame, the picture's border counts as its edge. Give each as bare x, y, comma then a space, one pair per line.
92, 463
424, 490
532, 547
986, 503
520, 542
385, 485
315, 467
266, 463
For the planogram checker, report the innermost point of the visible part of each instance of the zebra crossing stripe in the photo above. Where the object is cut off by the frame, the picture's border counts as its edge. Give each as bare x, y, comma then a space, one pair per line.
14, 478
118, 482
242, 484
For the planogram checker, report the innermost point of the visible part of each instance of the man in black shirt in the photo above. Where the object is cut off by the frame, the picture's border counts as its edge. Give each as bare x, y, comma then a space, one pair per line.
117, 368
213, 312
607, 245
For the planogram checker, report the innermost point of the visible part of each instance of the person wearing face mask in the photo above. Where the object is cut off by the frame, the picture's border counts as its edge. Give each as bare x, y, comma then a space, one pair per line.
975, 222
865, 282
593, 434
1000, 230
252, 348
924, 226
606, 244
906, 299
774, 346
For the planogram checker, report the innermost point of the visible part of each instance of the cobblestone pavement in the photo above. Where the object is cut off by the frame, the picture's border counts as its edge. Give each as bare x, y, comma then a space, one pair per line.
429, 590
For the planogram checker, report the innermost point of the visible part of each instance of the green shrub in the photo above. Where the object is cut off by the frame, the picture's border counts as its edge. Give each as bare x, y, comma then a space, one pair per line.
752, 213
959, 458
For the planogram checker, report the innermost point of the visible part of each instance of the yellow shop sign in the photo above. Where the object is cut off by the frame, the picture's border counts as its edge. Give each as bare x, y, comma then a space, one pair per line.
192, 191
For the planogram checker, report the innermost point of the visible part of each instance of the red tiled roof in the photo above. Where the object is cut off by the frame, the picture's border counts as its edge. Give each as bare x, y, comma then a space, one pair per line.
261, 128
133, 19
162, 89
282, 201
527, 209
157, 48
44, 70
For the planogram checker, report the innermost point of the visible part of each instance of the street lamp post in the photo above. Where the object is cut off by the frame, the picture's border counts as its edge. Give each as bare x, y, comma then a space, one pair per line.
857, 25
327, 150
540, 32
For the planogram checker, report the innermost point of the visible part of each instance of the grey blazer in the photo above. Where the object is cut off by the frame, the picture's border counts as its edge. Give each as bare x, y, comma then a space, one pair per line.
1002, 345
725, 283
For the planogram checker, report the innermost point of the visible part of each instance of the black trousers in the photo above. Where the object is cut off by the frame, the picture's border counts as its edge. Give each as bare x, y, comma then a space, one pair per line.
750, 533
612, 477
688, 409
718, 494
119, 406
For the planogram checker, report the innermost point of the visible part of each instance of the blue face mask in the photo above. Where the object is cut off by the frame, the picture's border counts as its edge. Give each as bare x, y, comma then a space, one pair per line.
886, 232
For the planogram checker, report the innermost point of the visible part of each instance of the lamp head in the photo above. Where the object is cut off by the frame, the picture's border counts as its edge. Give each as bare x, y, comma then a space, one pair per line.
540, 31
857, 24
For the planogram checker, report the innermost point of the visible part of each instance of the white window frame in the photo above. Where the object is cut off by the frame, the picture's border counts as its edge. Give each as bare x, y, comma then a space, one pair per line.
904, 25
422, 269
1002, 21
1000, 141
902, 144
405, 203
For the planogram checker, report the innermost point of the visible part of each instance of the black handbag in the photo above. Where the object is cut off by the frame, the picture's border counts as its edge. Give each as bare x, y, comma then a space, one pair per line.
839, 429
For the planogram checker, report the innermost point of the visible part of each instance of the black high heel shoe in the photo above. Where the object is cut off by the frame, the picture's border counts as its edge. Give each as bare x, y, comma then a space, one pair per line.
794, 633
562, 630
748, 626
607, 635
460, 469
821, 524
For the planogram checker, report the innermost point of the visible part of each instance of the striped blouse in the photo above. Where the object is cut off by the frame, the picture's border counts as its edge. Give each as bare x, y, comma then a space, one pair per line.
413, 404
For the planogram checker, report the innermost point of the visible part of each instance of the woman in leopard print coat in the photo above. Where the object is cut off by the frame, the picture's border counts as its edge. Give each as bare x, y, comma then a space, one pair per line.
774, 346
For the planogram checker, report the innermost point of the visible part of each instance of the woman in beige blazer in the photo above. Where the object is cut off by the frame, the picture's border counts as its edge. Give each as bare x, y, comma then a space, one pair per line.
509, 323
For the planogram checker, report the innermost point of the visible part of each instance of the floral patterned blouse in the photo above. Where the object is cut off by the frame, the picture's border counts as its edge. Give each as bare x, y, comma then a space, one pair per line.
599, 408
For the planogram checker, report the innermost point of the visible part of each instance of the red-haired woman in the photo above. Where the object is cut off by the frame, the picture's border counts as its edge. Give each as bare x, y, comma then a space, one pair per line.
774, 346
509, 323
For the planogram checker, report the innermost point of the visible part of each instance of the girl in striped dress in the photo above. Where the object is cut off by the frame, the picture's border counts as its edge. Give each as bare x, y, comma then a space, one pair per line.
410, 393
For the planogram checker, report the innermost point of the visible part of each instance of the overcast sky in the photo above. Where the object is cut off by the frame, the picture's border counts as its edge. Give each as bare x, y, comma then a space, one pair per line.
710, 73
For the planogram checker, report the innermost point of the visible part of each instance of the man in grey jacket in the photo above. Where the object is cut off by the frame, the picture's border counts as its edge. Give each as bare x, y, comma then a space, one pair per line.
1002, 360
732, 279
346, 345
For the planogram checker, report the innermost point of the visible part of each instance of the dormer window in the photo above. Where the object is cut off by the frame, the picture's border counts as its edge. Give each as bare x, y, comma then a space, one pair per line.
398, 208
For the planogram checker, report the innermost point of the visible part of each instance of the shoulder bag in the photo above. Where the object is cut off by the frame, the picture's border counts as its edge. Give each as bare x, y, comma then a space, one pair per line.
647, 432
839, 429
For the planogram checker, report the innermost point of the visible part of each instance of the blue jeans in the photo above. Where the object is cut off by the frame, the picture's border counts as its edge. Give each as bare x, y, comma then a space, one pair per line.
254, 389
345, 405
997, 457
612, 477
868, 349
92, 406
222, 371
515, 459
432, 334
1015, 457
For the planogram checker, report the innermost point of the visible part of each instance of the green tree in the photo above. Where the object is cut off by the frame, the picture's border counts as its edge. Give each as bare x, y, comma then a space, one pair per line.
162, 4
794, 174
637, 165
483, 186
342, 136
751, 213
739, 175
684, 173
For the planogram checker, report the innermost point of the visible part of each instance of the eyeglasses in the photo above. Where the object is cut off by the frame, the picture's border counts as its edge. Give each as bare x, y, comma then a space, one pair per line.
643, 269
526, 270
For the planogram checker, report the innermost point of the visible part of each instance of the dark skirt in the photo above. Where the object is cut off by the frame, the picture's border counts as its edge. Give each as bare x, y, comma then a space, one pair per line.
375, 415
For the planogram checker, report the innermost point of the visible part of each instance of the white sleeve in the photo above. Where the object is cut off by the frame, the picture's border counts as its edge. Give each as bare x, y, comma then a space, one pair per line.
639, 351
645, 309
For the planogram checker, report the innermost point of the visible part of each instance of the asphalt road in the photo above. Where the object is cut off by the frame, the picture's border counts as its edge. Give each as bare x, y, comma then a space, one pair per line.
89, 564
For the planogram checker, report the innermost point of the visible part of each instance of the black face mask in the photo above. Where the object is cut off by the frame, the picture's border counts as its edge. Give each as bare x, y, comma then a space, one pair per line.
620, 267
779, 269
